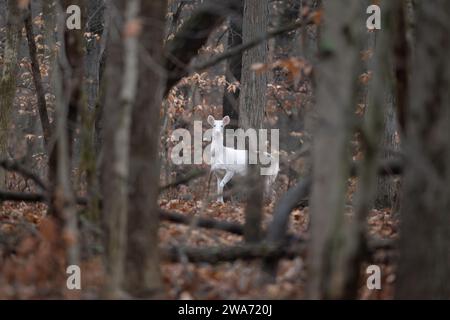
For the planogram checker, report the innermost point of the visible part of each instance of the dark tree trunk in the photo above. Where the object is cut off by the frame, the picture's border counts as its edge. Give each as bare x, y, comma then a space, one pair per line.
252, 106
94, 53
424, 262
122, 75
143, 270
233, 68
8, 78
337, 83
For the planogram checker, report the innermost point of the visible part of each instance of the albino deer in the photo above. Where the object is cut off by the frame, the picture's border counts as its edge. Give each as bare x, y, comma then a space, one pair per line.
232, 161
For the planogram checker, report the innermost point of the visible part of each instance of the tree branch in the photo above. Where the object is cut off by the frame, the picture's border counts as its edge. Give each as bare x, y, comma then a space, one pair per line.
222, 254
206, 223
248, 45
192, 35
194, 174
22, 196
10, 165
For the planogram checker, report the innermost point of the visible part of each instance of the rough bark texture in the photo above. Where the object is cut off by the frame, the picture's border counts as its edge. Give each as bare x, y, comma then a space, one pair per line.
253, 104
143, 271
424, 265
253, 87
122, 72
388, 187
8, 78
337, 73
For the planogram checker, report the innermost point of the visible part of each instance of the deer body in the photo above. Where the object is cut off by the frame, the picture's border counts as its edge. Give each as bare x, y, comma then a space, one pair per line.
232, 161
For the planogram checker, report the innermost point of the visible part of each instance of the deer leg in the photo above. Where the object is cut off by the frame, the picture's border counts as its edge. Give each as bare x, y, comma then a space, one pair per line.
219, 190
224, 181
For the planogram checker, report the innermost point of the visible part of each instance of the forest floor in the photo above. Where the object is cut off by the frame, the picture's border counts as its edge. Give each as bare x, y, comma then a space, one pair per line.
24, 265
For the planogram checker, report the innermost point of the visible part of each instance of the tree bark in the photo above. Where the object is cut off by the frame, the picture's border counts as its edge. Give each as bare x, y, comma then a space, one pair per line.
94, 53
143, 270
388, 187
424, 262
8, 78
65, 81
336, 96
252, 106
123, 68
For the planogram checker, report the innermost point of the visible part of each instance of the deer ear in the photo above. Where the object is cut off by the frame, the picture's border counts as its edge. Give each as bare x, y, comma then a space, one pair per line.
211, 120
226, 120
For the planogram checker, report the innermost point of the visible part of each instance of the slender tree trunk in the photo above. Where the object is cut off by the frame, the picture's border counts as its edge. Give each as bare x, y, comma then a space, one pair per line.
336, 96
424, 262
37, 79
143, 270
8, 79
252, 106
63, 205
123, 68
94, 53
233, 68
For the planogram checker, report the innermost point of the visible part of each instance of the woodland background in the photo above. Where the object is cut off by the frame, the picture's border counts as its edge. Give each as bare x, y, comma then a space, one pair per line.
86, 118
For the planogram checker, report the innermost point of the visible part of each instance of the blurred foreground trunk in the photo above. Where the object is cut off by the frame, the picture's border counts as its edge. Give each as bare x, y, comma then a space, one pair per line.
337, 86
8, 79
424, 262
122, 69
142, 267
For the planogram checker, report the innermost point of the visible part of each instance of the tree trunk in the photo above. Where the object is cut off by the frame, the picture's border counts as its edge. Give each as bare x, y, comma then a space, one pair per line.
143, 270
64, 82
336, 93
252, 106
424, 262
94, 53
37, 79
8, 79
388, 186
123, 68
233, 68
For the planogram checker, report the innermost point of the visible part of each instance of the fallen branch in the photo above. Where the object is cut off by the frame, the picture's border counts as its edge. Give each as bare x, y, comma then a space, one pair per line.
22, 196
232, 253
206, 223
15, 166
192, 175
263, 250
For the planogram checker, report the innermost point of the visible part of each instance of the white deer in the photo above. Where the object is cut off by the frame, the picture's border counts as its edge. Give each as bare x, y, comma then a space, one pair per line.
232, 161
